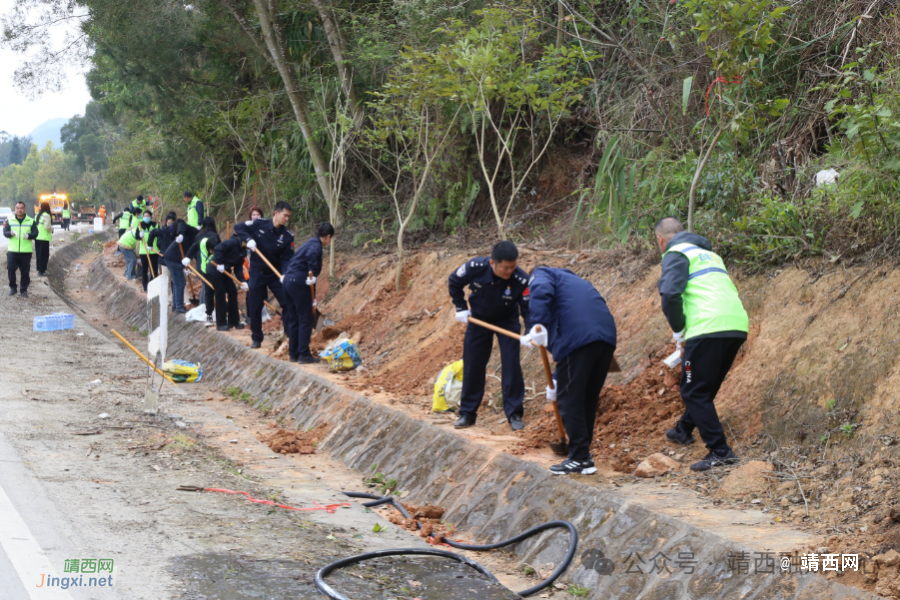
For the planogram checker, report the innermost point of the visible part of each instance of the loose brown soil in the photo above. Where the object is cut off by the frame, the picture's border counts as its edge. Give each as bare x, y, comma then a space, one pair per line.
285, 441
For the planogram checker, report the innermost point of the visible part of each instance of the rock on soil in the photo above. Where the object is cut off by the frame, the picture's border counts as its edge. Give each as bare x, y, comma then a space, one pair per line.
283, 441
747, 480
429, 516
656, 464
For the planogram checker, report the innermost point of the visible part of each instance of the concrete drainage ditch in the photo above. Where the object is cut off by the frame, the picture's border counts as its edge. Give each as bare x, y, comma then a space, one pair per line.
631, 547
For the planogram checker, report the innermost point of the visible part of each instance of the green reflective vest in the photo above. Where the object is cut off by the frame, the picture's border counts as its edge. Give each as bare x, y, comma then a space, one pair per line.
45, 227
204, 255
711, 302
125, 220
66, 213
143, 243
129, 239
193, 216
20, 243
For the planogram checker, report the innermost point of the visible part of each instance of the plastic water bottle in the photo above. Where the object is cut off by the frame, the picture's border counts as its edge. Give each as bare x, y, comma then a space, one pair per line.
54, 322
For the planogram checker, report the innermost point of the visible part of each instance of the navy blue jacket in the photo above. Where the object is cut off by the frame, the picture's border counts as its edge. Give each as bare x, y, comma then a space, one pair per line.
276, 244
307, 258
572, 310
492, 299
173, 252
230, 253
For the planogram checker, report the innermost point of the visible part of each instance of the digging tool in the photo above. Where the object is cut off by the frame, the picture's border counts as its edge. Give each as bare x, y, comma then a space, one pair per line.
138, 352
239, 282
149, 262
194, 300
313, 289
561, 447
266, 260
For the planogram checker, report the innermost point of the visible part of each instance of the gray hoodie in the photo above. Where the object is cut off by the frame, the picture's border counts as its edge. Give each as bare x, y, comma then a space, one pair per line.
675, 269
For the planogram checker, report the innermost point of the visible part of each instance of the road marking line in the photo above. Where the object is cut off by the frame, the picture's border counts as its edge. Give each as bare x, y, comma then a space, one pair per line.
26, 555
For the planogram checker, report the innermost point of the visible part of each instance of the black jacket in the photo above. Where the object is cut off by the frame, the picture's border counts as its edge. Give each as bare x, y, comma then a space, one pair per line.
212, 240
163, 236
173, 253
276, 244
492, 299
231, 254
308, 257
673, 280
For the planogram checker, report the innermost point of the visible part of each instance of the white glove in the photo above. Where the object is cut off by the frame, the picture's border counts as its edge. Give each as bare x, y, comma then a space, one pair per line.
538, 338
220, 268
315, 303
245, 287
12, 233
185, 261
463, 316
140, 234
252, 244
187, 272
179, 239
311, 280
551, 392
281, 279
525, 340
678, 337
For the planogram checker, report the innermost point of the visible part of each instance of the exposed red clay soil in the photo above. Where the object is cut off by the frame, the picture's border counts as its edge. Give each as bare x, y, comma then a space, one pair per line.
284, 441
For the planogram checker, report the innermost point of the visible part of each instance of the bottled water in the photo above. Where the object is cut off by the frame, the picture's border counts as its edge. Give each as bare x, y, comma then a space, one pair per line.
54, 322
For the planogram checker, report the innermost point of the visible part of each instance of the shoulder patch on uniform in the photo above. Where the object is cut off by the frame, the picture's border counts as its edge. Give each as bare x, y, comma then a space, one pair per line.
461, 271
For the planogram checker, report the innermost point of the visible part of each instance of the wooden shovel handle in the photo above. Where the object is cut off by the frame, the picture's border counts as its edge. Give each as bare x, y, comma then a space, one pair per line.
266, 260
549, 374
239, 283
495, 329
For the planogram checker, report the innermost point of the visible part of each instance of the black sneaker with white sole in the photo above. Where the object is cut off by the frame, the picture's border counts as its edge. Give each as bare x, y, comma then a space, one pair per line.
716, 459
582, 467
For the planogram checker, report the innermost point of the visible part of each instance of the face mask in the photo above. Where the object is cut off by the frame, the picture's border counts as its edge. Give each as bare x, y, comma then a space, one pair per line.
146, 219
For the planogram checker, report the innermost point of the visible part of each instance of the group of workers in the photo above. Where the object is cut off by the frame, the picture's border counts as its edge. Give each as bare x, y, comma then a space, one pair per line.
561, 311
273, 266
568, 316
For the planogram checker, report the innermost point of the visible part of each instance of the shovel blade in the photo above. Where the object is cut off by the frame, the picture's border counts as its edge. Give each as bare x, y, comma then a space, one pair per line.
560, 448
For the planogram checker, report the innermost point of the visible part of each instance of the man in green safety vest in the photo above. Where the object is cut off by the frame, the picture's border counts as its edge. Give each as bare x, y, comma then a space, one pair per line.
708, 320
195, 211
20, 231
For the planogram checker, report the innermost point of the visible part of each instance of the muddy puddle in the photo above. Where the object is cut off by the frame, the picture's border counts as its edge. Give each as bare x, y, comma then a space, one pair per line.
217, 576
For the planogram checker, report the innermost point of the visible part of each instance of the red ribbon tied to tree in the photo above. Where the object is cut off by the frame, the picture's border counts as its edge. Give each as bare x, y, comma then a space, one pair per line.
724, 80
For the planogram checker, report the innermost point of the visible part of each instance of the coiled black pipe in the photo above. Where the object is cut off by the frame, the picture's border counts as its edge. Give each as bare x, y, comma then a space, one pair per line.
379, 500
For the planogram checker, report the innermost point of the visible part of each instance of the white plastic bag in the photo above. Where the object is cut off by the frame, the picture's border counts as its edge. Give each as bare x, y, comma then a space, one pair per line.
198, 314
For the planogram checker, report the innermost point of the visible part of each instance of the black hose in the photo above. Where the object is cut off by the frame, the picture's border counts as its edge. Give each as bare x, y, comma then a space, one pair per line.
379, 500
346, 562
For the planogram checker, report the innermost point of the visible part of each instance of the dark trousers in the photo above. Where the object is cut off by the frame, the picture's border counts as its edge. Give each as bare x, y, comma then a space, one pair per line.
20, 261
226, 297
580, 376
705, 363
259, 283
299, 298
176, 272
41, 255
146, 274
208, 298
477, 347
121, 232
65, 224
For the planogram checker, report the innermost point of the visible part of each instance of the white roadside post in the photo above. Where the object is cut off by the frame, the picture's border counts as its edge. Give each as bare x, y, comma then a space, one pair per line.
158, 309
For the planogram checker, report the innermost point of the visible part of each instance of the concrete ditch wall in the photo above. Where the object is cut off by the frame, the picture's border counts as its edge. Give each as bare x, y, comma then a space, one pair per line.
489, 496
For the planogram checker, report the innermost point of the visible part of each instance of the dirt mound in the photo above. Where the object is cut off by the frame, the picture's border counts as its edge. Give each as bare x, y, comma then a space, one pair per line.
283, 441
110, 248
631, 418
429, 516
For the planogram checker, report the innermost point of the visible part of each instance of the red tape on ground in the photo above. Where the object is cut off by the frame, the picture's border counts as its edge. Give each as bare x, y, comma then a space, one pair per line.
331, 508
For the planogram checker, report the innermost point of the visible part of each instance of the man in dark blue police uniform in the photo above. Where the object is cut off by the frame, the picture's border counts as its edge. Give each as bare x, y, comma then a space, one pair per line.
271, 238
499, 294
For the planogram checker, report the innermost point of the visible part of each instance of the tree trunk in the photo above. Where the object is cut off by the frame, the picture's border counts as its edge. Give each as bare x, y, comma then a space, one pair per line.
275, 43
397, 278
336, 45
700, 166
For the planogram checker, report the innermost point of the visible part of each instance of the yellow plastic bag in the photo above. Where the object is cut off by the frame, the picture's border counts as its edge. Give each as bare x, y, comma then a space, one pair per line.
182, 371
343, 356
448, 388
